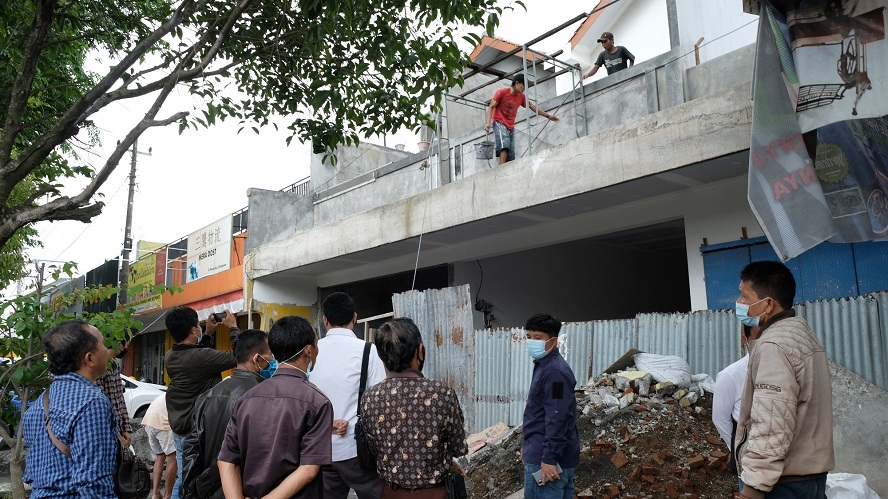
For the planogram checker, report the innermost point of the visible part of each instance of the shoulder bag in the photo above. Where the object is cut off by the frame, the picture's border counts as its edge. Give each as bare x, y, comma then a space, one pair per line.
366, 457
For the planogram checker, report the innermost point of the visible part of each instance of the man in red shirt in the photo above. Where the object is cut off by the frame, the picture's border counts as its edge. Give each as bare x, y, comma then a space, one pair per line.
501, 117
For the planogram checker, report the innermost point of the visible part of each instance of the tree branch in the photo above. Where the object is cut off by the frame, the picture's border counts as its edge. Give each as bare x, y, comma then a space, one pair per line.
90, 102
18, 98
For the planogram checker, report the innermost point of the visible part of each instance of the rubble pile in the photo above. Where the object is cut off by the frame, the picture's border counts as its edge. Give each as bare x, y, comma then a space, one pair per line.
638, 439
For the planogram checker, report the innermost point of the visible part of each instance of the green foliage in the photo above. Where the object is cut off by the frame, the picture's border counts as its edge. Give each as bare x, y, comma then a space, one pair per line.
26, 319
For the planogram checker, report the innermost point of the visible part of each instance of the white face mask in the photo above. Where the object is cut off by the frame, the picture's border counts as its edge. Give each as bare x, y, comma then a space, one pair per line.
307, 369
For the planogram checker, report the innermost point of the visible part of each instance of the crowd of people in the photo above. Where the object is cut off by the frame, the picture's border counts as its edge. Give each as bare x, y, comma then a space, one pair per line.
284, 423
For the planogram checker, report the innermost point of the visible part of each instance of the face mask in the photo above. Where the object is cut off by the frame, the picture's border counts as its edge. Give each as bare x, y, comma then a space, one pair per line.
742, 312
536, 348
268, 371
307, 369
199, 336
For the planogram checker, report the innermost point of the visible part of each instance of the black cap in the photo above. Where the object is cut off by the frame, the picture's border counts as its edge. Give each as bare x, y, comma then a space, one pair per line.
518, 78
606, 34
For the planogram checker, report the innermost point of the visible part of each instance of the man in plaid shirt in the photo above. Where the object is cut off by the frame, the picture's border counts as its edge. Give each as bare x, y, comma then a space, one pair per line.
112, 387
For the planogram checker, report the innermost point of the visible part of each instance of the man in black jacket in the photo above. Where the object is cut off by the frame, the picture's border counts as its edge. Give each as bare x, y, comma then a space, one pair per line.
194, 367
212, 410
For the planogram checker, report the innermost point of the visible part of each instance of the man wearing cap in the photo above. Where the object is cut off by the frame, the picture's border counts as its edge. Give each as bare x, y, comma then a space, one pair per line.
614, 57
501, 117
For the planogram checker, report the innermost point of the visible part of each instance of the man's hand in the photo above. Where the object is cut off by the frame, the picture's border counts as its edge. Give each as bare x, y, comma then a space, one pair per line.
455, 466
550, 473
210, 329
230, 320
552, 117
487, 128
340, 426
125, 439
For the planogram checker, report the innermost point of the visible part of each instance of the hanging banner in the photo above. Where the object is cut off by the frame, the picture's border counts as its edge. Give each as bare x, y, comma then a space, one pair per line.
839, 195
209, 250
144, 273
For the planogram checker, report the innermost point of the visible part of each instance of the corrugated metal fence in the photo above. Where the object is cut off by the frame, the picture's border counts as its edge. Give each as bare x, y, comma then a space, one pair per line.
491, 370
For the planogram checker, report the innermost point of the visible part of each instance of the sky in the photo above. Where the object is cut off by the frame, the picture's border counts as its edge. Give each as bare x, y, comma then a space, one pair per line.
195, 178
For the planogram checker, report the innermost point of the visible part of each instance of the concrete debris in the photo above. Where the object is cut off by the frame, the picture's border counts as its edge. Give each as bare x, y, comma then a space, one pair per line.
638, 439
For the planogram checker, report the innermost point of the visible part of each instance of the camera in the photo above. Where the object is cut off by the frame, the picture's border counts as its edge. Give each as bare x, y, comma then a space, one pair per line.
220, 316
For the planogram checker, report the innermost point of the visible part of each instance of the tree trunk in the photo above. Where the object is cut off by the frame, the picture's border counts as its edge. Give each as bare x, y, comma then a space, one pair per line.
16, 475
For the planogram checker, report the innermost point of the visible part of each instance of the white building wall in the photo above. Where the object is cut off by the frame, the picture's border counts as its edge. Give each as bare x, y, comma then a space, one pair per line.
716, 22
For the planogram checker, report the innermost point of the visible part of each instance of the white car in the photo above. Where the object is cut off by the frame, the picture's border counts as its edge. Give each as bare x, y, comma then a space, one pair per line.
138, 395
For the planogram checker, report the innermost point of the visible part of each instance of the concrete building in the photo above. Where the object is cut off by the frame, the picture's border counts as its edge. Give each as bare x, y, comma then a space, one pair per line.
635, 202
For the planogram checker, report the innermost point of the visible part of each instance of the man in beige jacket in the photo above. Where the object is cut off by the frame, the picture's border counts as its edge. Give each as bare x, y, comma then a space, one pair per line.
784, 443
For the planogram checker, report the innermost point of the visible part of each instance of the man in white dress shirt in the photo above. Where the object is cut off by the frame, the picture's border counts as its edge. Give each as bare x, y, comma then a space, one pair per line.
338, 374
728, 392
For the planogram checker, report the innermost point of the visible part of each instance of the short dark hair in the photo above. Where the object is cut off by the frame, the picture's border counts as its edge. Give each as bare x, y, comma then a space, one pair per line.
179, 322
771, 279
288, 336
543, 323
339, 309
67, 344
396, 343
249, 342
518, 78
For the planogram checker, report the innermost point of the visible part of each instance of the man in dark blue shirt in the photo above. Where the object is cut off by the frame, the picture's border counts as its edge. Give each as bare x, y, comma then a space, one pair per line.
551, 447
80, 462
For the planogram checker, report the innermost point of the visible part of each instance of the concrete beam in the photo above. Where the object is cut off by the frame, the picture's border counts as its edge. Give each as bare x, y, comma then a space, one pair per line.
685, 134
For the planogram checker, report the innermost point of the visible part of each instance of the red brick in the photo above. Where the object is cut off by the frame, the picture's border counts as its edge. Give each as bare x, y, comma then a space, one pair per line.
613, 490
671, 491
635, 475
641, 408
648, 470
714, 440
648, 478
713, 463
619, 459
696, 461
668, 456
717, 454
657, 459
688, 483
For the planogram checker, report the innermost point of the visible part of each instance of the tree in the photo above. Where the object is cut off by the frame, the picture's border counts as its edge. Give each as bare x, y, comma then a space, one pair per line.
24, 372
338, 69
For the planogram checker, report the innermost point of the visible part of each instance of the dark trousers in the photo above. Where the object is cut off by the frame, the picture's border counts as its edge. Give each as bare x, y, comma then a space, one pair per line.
395, 492
814, 488
344, 475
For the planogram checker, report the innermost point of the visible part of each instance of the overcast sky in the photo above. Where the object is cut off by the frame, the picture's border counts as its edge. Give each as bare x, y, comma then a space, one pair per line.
192, 179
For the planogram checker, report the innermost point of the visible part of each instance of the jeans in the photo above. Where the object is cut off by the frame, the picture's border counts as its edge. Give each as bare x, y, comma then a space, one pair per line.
806, 489
179, 440
563, 488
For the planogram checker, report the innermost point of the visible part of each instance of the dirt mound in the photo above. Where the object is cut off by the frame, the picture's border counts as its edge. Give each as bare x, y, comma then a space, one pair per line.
652, 447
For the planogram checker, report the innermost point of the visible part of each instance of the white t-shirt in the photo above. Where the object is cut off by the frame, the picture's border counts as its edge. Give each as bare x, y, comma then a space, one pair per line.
156, 416
726, 398
337, 373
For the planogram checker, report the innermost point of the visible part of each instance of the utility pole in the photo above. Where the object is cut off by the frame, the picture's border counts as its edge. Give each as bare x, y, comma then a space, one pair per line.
128, 230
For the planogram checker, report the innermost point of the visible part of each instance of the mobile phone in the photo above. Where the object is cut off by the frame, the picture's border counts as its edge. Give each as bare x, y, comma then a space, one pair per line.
220, 316
538, 476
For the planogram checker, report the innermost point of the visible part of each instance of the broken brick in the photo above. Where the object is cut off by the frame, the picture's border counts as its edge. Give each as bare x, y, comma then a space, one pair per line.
696, 461
717, 454
619, 459
714, 440
713, 463
641, 408
648, 470
671, 491
657, 459
613, 490
635, 475
648, 478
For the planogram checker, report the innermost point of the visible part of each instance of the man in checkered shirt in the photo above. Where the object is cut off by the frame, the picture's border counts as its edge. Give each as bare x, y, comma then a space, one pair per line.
80, 463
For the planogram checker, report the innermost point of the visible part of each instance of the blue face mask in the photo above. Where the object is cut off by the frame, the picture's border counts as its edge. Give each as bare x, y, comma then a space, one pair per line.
742, 312
269, 371
536, 348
